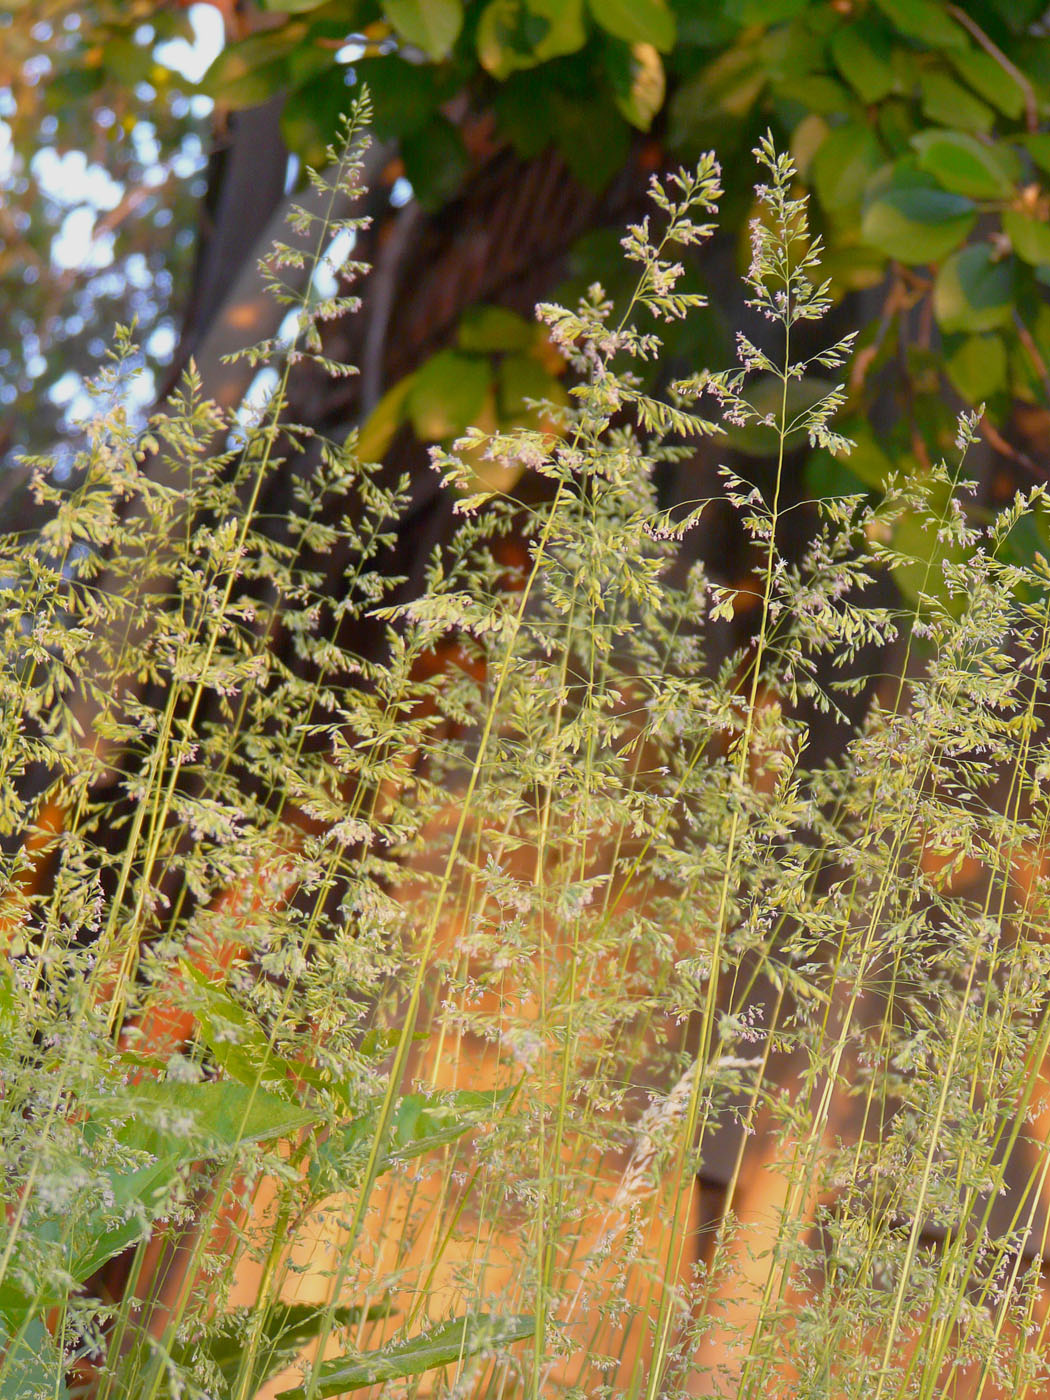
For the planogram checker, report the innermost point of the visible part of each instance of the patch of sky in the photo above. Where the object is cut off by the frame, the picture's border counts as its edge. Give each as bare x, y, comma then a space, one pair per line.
352, 50
324, 281
253, 405
70, 178
192, 58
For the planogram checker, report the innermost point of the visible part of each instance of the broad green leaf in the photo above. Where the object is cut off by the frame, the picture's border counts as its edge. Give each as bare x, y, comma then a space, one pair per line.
247, 1055
524, 113
827, 476
376, 1042
422, 1122
767, 11
896, 125
717, 99
964, 165
637, 77
521, 378
494, 328
508, 36
566, 31
204, 1118
922, 569
15, 1302
867, 460
34, 1366
1030, 237
143, 1194
418, 1125
377, 432
447, 1345
1038, 147
949, 103
990, 79
213, 1115
254, 69
127, 62
9, 1006
765, 396
854, 268
977, 369
404, 95
75, 84
518, 34
591, 135
248, 87
286, 1329
436, 162
843, 165
818, 92
862, 57
925, 20
917, 223
432, 25
447, 395
974, 289
292, 7
637, 21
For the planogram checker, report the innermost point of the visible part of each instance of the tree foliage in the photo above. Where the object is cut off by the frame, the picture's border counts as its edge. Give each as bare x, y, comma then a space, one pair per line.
918, 126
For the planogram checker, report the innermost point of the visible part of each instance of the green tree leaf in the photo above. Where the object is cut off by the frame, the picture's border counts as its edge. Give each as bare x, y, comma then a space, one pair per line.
964, 165
947, 102
1038, 147
716, 100
758, 439
139, 1193
446, 1345
974, 290
432, 25
977, 369
378, 430
252, 70
816, 91
637, 77
494, 328
239, 1043
405, 94
517, 34
637, 21
521, 378
311, 114
447, 395
861, 54
990, 79
767, 11
421, 1122
925, 20
436, 162
917, 222
592, 136
843, 165
1030, 237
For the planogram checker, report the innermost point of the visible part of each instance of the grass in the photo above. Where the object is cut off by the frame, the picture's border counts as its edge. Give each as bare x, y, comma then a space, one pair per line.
367, 1020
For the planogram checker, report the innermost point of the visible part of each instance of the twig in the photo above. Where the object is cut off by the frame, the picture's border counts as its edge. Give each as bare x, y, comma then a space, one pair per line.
894, 302
1031, 107
1024, 335
1007, 449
